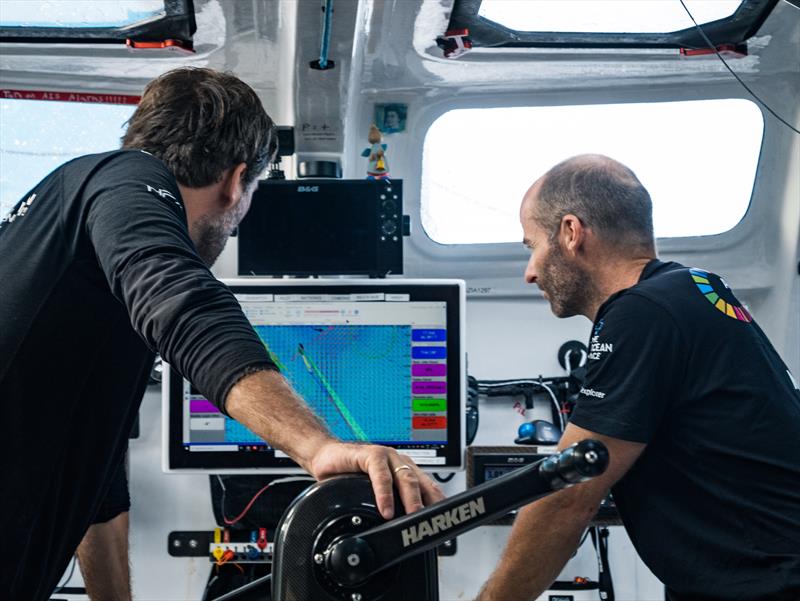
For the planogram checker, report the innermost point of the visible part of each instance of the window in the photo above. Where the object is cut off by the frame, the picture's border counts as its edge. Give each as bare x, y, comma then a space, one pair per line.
166, 22
38, 136
628, 16
697, 159
607, 23
78, 13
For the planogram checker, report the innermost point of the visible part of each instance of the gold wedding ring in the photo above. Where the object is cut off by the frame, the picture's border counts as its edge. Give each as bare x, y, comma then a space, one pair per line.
402, 467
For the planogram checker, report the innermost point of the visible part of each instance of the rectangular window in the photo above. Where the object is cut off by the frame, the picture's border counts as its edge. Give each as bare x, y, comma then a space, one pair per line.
697, 159
604, 16
78, 13
37, 136
498, 24
166, 23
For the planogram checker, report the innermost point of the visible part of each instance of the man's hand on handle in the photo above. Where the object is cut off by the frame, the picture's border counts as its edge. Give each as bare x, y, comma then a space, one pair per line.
385, 467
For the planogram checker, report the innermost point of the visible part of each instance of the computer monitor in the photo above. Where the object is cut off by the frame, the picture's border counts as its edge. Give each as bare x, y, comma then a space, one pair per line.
380, 361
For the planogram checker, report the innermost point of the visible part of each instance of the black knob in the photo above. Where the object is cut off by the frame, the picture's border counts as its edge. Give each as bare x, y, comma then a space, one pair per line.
582, 461
389, 227
350, 561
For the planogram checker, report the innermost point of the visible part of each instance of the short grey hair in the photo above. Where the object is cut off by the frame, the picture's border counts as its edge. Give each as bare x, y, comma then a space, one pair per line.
604, 194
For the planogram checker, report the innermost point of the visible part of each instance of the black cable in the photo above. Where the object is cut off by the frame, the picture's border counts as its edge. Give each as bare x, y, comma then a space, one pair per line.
580, 543
606, 583
445, 478
242, 589
209, 584
222, 499
473, 417
60, 587
583, 538
739, 79
486, 387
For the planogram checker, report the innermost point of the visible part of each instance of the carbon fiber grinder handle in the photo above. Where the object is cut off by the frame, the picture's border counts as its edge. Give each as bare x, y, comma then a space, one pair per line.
580, 462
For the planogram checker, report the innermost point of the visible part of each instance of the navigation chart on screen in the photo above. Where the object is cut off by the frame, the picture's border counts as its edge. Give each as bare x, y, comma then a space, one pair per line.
375, 366
356, 378
373, 371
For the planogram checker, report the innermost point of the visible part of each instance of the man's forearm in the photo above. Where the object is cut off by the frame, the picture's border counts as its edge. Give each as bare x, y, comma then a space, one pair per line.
547, 532
103, 558
267, 404
544, 537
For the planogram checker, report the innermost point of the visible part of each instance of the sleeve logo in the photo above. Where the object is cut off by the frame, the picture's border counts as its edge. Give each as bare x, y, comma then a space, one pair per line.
18, 211
719, 294
164, 195
597, 348
595, 393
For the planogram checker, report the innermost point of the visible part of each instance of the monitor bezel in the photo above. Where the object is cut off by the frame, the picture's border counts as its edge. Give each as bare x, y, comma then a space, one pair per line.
176, 460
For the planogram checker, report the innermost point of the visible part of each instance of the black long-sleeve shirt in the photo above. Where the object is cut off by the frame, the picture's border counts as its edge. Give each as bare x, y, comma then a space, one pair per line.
97, 271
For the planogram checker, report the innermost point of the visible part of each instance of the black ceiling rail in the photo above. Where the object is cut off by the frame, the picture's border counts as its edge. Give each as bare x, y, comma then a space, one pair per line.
177, 24
735, 29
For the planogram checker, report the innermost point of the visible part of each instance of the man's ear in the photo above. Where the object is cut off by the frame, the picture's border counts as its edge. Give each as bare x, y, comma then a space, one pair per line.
572, 234
232, 189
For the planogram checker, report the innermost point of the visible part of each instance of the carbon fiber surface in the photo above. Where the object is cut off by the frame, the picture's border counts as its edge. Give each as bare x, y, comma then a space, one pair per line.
325, 512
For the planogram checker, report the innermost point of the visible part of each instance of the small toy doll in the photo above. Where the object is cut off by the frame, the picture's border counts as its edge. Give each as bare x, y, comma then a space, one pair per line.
378, 167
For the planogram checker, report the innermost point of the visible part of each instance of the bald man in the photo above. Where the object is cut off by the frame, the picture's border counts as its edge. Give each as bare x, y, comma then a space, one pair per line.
700, 415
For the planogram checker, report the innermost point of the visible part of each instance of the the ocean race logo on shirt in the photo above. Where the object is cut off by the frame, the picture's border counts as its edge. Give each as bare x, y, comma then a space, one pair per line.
719, 294
596, 348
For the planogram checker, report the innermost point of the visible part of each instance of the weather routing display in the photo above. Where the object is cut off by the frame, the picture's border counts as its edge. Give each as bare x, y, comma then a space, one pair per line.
376, 367
357, 378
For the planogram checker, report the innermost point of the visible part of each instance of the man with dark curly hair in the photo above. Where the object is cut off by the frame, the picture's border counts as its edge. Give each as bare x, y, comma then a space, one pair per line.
105, 262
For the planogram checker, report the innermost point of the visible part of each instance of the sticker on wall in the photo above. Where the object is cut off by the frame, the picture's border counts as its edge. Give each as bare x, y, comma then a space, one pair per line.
318, 131
391, 118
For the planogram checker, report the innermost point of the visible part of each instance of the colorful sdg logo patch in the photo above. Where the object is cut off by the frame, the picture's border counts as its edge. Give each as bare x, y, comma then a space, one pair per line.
718, 294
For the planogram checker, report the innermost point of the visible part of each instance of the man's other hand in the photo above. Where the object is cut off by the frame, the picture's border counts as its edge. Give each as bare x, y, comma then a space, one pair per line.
384, 467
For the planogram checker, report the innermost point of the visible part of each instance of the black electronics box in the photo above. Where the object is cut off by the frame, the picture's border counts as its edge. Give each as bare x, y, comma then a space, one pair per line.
488, 463
324, 227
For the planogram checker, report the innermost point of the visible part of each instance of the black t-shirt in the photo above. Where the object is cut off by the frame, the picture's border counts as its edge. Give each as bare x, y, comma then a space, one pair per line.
713, 503
97, 271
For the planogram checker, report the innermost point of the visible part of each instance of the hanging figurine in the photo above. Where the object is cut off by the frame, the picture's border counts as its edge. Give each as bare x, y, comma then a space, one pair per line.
378, 166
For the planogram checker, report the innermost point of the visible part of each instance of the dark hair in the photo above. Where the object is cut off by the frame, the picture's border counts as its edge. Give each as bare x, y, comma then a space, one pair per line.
201, 122
604, 194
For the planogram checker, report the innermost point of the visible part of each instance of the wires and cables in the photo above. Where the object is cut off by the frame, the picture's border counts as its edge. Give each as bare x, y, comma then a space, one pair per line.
600, 541
739, 79
580, 542
325, 43
232, 521
443, 478
245, 588
512, 387
209, 584
326, 35
472, 417
61, 586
